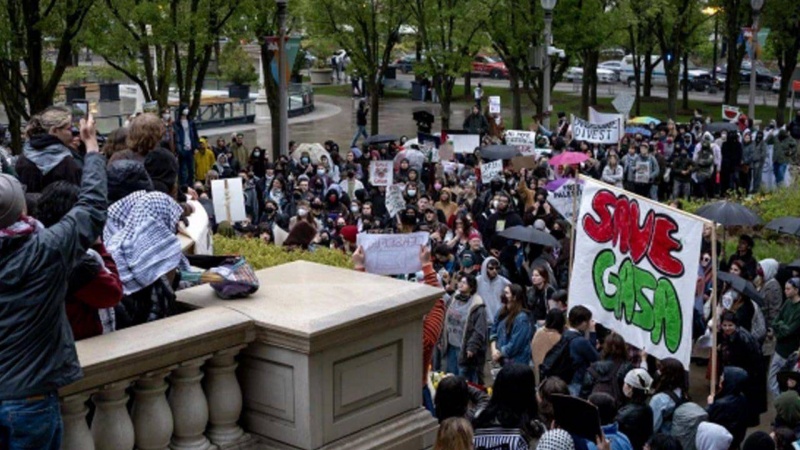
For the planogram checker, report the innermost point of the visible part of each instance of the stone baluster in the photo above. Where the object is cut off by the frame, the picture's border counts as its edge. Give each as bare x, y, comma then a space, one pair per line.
151, 414
189, 407
76, 431
112, 428
224, 399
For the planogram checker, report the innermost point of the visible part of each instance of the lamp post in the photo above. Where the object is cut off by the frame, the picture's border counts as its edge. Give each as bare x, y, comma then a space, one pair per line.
751, 108
548, 6
283, 85
712, 11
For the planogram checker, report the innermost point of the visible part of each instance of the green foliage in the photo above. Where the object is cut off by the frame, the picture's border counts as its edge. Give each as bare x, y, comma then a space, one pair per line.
75, 75
106, 74
262, 256
236, 64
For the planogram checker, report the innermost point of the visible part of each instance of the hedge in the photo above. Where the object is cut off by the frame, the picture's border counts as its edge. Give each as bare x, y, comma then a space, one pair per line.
262, 256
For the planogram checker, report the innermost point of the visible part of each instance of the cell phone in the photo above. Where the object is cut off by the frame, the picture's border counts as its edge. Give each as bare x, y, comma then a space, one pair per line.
83, 107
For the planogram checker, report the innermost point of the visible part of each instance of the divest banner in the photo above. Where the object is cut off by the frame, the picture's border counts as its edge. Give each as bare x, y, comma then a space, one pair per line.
603, 133
642, 260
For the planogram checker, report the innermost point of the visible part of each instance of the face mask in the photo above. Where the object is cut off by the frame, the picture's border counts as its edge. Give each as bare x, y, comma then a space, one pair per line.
302, 212
185, 112
165, 116
256, 154
408, 220
270, 210
304, 160
412, 192
495, 203
354, 209
437, 186
320, 172
331, 198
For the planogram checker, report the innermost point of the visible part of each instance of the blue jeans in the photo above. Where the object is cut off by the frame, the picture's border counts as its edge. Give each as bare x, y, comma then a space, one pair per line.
451, 359
360, 131
31, 423
186, 168
780, 173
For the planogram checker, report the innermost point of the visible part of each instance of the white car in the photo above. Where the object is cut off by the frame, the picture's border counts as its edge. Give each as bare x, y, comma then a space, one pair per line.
575, 74
776, 85
614, 66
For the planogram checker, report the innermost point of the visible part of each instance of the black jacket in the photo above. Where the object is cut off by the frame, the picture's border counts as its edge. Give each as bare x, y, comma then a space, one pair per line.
636, 422
37, 349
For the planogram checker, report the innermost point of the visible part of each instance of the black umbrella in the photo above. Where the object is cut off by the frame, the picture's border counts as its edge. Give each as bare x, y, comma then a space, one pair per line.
741, 286
794, 265
729, 214
531, 235
381, 139
716, 127
788, 225
499, 152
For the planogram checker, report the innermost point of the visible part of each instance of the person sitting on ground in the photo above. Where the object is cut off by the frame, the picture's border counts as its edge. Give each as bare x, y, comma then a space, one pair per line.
635, 418
729, 407
454, 433
456, 398
607, 410
671, 392
547, 337
608, 374
711, 436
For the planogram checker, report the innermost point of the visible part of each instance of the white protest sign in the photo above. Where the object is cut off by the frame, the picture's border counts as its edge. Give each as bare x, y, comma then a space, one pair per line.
642, 260
597, 117
394, 199
494, 104
731, 113
605, 133
525, 141
491, 170
624, 103
392, 254
562, 199
381, 173
228, 199
465, 143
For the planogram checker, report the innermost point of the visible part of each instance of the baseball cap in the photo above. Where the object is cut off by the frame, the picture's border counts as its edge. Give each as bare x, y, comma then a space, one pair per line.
12, 200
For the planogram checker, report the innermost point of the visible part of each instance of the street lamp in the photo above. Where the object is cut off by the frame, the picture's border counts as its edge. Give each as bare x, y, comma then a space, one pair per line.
548, 6
283, 85
712, 11
751, 108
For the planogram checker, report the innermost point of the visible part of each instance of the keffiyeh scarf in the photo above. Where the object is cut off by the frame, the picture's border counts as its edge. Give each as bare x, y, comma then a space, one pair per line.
140, 236
23, 227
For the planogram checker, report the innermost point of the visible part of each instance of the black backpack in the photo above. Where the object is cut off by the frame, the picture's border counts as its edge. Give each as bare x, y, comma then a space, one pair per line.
558, 361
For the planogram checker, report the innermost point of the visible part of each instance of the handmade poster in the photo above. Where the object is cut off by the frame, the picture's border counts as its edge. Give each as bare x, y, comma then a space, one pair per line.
446, 152
642, 260
596, 117
228, 200
524, 162
562, 199
491, 170
381, 173
394, 199
641, 172
731, 113
464, 143
525, 141
605, 133
494, 104
624, 103
392, 254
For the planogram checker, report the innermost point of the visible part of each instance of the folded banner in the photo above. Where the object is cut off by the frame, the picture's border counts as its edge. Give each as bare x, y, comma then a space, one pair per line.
392, 254
596, 117
604, 133
642, 260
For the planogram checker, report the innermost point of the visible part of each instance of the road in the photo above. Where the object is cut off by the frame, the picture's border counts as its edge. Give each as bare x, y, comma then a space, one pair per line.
612, 90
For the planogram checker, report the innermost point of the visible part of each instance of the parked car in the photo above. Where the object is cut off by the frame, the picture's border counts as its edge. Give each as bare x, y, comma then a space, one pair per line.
701, 80
765, 79
489, 67
614, 66
575, 75
407, 62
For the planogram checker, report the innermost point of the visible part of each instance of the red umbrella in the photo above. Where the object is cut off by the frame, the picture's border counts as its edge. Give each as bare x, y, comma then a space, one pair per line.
568, 159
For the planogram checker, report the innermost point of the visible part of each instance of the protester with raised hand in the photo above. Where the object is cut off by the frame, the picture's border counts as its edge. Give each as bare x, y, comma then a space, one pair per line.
37, 349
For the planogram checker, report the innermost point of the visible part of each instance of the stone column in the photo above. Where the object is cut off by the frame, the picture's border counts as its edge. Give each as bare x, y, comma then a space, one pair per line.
76, 432
189, 407
224, 399
112, 428
152, 417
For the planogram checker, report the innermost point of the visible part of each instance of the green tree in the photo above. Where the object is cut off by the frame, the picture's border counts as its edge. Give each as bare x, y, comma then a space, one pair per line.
367, 30
782, 17
735, 15
32, 30
449, 31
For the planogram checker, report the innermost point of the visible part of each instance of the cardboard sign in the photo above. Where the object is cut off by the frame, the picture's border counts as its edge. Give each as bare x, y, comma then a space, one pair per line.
524, 162
392, 254
464, 143
381, 173
394, 199
446, 152
562, 199
525, 141
605, 133
491, 170
228, 197
637, 270
731, 113
624, 103
494, 104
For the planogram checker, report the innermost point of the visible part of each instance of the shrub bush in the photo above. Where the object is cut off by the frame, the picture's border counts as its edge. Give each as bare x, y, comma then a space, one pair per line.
262, 256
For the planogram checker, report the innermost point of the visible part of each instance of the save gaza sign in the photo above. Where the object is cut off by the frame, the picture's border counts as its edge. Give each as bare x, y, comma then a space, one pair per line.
642, 259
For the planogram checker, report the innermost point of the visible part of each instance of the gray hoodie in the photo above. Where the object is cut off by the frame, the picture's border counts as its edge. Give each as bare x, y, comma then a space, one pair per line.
491, 290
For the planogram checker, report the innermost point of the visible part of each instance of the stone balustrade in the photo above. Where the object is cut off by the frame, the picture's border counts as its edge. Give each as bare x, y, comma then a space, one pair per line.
319, 358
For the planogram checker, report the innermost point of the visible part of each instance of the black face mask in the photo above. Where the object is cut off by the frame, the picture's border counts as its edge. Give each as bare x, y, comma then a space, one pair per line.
408, 220
558, 234
270, 210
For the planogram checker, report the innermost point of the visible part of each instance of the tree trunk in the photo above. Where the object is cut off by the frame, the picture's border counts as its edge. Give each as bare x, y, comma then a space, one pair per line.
468, 85
787, 64
590, 68
516, 98
648, 74
685, 102
271, 87
672, 69
445, 92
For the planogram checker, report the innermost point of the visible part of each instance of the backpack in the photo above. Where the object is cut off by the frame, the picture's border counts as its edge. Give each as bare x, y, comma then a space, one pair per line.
705, 160
558, 361
758, 326
667, 416
607, 383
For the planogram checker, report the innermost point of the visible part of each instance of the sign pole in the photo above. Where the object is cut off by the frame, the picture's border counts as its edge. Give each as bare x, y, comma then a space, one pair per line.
574, 231
714, 318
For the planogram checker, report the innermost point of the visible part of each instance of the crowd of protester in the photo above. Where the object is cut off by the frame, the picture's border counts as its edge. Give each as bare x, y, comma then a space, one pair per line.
96, 229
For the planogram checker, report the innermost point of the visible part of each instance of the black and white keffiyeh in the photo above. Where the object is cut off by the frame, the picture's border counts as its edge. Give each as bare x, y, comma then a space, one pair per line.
556, 440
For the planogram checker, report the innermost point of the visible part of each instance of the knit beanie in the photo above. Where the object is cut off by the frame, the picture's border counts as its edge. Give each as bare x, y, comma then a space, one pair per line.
12, 200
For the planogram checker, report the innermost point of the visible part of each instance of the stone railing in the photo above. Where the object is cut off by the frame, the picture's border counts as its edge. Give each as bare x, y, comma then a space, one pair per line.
165, 384
327, 359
